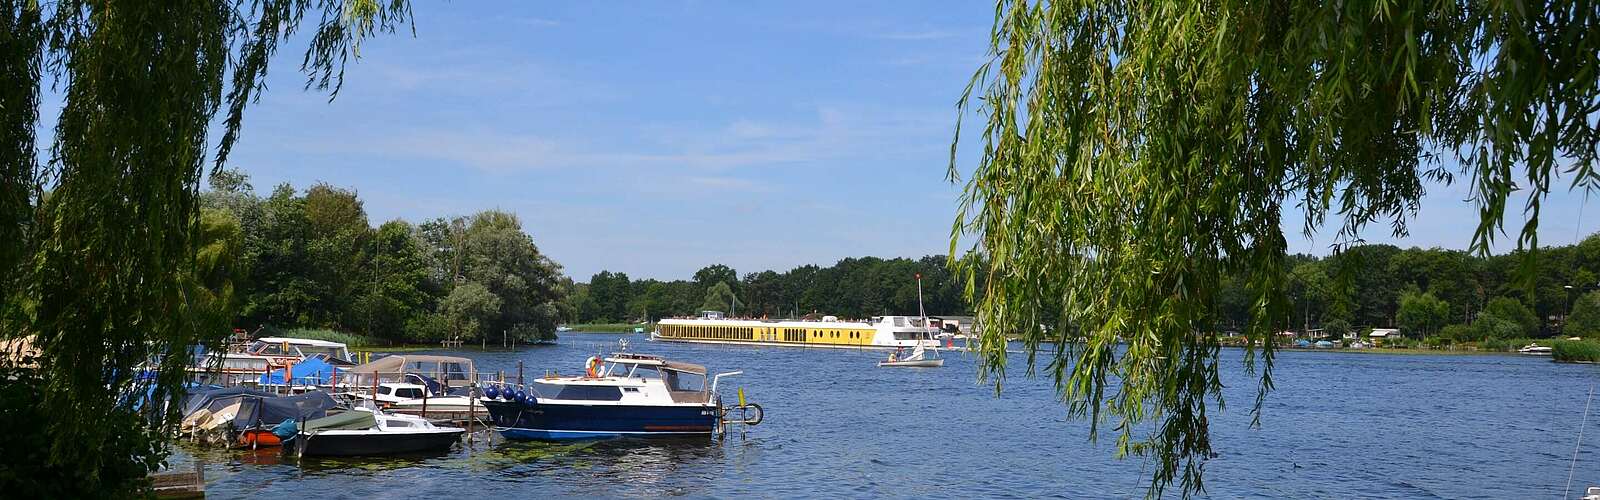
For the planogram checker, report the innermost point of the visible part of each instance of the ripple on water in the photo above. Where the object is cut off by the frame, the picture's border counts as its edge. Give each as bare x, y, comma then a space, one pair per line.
1338, 426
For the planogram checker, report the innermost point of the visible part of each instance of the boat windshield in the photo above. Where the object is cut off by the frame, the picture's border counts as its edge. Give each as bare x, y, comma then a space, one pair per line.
641, 371
685, 382
331, 352
266, 349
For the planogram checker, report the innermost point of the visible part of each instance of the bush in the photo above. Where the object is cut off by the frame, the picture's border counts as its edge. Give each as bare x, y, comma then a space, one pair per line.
1489, 326
428, 327
1577, 351
1400, 343
1458, 333
1585, 318
1513, 310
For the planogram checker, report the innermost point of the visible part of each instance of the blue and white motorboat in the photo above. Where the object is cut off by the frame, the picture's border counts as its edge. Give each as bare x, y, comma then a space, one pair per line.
621, 395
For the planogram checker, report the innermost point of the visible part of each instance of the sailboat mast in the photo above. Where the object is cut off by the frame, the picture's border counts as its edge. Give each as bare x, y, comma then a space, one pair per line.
920, 311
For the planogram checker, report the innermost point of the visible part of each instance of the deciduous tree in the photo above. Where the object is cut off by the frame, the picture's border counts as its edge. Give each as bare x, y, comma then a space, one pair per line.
1133, 153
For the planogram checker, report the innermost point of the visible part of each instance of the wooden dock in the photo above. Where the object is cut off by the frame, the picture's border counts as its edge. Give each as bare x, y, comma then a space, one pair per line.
180, 484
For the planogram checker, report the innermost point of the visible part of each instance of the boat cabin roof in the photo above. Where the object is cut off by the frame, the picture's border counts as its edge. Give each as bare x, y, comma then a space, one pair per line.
295, 341
657, 361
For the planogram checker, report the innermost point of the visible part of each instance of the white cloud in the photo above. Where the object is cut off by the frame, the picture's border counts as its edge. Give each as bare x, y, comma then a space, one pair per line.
833, 133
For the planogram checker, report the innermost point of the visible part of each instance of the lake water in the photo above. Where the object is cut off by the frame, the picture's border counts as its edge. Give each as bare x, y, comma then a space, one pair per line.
1339, 425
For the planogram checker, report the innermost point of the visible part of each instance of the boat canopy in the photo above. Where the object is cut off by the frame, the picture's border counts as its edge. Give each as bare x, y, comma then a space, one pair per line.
685, 367
646, 360
314, 370
436, 369
439, 367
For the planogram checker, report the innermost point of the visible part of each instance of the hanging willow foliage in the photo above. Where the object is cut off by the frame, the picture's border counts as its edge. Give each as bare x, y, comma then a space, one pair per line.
1136, 151
106, 275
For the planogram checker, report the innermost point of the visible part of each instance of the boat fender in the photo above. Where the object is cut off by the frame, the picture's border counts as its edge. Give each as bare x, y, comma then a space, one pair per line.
522, 396
592, 367
490, 392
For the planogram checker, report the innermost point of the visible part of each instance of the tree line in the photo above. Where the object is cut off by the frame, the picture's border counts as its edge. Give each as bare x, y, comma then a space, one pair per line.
313, 260
1450, 295
851, 288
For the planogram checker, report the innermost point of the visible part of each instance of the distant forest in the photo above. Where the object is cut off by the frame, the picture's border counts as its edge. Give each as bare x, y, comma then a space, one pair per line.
311, 259
851, 288
1450, 295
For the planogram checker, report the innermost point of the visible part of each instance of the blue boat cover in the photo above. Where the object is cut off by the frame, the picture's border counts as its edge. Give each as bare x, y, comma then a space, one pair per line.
309, 371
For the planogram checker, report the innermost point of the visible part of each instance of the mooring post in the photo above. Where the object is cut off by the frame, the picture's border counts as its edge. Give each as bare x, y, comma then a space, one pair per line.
519, 372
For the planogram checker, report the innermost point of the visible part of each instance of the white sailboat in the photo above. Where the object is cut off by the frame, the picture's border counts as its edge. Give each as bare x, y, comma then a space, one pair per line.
921, 356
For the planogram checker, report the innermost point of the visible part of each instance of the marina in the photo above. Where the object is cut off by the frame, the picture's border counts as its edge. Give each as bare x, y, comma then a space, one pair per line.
843, 435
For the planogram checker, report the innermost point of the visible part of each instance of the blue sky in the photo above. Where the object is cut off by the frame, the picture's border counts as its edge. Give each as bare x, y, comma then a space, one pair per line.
656, 138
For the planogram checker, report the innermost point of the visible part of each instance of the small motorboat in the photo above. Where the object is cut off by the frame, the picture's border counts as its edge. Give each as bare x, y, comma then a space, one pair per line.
1536, 350
366, 431
920, 357
625, 394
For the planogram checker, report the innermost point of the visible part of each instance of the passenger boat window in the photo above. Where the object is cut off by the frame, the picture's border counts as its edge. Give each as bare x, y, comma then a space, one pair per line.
590, 393
899, 321
383, 391
412, 393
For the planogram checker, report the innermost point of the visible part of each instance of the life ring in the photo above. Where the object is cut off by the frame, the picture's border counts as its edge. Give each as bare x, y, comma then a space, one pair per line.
592, 367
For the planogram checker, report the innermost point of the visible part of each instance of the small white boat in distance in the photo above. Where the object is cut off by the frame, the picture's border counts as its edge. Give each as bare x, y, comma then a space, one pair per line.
1535, 350
920, 357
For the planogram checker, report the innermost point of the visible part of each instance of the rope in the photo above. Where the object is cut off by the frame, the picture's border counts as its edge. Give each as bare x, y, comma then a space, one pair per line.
1565, 493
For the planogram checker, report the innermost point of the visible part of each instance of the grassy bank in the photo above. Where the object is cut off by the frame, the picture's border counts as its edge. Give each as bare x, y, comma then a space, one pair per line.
1576, 351
605, 328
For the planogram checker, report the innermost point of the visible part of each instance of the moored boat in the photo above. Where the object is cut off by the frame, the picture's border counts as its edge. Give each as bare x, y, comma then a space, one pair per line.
265, 355
369, 432
1536, 350
436, 387
620, 395
882, 332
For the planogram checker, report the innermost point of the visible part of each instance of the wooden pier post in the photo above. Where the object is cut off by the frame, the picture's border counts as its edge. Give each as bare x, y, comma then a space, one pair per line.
519, 372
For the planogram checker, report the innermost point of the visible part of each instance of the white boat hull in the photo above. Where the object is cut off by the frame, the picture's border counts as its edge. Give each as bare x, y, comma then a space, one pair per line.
921, 363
